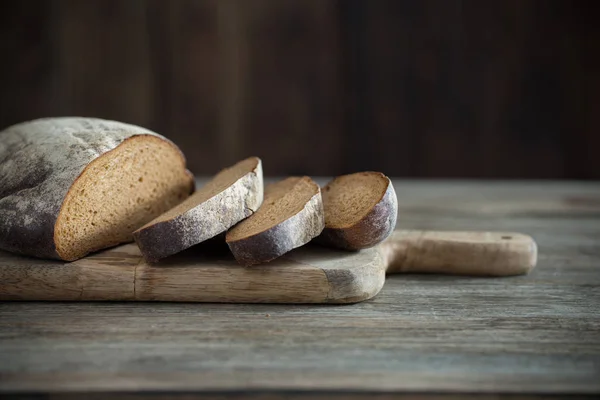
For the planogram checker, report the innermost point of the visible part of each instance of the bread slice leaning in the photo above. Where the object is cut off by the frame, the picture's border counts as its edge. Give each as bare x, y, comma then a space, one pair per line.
360, 210
232, 195
291, 215
71, 185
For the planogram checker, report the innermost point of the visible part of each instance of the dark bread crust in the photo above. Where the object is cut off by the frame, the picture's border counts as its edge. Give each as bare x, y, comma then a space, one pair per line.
161, 240
294, 232
39, 162
204, 221
371, 230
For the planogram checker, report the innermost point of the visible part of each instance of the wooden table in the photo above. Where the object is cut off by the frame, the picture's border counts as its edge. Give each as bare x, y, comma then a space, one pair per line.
423, 336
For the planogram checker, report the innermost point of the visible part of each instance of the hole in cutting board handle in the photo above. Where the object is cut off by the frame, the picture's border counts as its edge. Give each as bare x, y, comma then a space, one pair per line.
506, 237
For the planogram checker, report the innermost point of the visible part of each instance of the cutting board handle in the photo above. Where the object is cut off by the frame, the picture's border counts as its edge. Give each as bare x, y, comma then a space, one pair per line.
460, 253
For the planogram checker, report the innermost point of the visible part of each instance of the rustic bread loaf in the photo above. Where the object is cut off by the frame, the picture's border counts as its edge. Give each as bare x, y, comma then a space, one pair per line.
71, 186
232, 195
360, 210
291, 215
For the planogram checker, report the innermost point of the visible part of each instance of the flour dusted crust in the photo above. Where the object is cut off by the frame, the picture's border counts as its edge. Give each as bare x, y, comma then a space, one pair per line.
202, 217
291, 217
39, 161
281, 238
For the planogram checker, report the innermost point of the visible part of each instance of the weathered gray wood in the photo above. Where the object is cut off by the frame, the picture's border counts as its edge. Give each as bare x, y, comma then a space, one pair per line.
532, 334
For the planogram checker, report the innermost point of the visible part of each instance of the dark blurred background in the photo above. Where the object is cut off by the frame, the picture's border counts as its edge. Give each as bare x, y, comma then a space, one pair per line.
421, 88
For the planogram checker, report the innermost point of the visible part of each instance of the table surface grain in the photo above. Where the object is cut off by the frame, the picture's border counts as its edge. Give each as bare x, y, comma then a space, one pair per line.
422, 336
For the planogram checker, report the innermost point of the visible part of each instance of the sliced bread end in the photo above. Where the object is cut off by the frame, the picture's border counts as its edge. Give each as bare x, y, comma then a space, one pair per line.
118, 192
360, 210
291, 216
232, 195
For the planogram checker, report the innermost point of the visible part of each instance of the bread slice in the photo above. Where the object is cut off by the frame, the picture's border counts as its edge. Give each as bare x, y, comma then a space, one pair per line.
232, 195
360, 210
291, 215
70, 186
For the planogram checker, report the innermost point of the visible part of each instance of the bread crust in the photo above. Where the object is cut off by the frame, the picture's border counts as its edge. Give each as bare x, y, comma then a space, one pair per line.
39, 162
294, 232
204, 221
372, 229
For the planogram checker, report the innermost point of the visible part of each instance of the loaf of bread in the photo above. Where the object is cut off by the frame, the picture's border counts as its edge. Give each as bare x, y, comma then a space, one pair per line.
232, 195
291, 215
360, 210
70, 186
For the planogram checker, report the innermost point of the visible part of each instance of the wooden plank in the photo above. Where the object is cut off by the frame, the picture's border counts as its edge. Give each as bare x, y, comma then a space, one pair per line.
27, 73
506, 89
292, 111
452, 334
232, 23
160, 29
583, 66
488, 90
104, 67
289, 395
311, 274
292, 395
527, 335
194, 64
220, 66
229, 383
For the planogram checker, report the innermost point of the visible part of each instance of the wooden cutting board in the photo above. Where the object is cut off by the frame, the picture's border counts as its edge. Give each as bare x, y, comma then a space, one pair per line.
311, 274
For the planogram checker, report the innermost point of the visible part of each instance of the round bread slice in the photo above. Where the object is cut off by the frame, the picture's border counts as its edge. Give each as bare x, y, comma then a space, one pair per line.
291, 216
360, 210
232, 195
70, 186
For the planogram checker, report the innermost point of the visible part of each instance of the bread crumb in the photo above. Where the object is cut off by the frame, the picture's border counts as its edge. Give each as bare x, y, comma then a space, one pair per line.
268, 315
